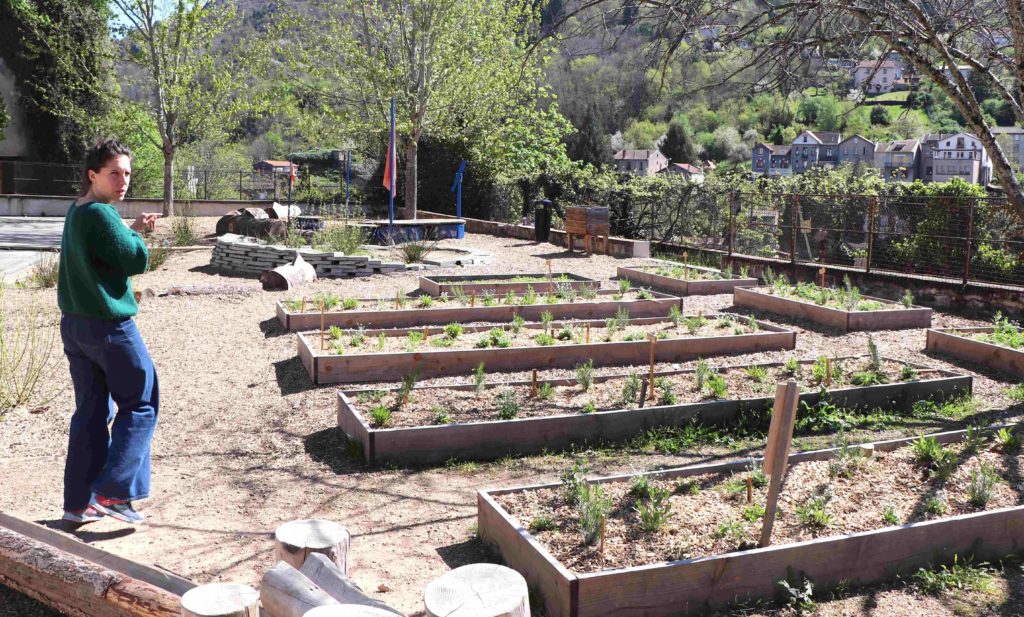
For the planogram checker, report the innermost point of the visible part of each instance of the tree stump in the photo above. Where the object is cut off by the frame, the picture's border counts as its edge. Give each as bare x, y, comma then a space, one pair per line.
283, 278
326, 575
478, 590
294, 542
348, 610
286, 592
221, 600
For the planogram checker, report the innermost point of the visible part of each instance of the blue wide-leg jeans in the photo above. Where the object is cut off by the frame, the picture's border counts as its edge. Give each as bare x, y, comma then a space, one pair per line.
109, 365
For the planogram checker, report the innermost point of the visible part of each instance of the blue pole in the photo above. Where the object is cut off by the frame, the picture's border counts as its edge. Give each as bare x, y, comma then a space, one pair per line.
391, 153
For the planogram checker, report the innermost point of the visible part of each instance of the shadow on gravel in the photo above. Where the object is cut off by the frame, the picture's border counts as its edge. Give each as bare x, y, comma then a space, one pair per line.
471, 550
292, 377
272, 328
331, 447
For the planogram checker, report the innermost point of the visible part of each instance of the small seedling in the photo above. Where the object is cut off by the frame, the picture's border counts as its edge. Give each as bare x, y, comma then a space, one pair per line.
585, 375
644, 294
641, 487
381, 339
716, 386
792, 367
335, 333
593, 507
588, 292
479, 378
510, 298
753, 512
846, 460
566, 333
757, 374
565, 291
624, 285
453, 330
545, 319
962, 576
983, 480
908, 373
675, 315
530, 297
752, 324
545, 391
589, 408
935, 506
517, 324
544, 339
889, 516
812, 513
542, 522
622, 318
408, 383
875, 363
655, 510
380, 416
488, 298
1007, 440
630, 390
701, 372
416, 338
667, 396
732, 531
908, 299
573, 480
687, 487
508, 406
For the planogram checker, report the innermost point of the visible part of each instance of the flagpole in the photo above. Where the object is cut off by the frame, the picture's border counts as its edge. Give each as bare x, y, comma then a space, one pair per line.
392, 152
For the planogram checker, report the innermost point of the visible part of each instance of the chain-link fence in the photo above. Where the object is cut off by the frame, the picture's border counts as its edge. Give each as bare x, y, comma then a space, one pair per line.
959, 238
29, 178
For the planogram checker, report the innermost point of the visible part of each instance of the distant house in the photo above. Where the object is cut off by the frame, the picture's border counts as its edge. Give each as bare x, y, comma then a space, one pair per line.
875, 76
814, 148
946, 156
897, 160
855, 148
770, 160
686, 170
640, 162
760, 158
1011, 139
276, 167
964, 70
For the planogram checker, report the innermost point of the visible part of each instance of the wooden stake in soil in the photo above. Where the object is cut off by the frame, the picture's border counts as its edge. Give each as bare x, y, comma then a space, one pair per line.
533, 384
323, 322
821, 276
551, 277
828, 372
302, 308
686, 258
588, 334
776, 458
472, 298
750, 489
604, 520
221, 600
650, 391
398, 300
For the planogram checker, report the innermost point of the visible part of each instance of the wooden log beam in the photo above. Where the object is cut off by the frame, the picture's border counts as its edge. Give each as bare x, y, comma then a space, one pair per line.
326, 575
478, 590
296, 540
221, 600
75, 586
286, 592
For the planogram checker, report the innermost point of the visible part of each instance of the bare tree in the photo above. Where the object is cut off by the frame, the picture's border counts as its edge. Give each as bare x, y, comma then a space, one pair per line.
790, 43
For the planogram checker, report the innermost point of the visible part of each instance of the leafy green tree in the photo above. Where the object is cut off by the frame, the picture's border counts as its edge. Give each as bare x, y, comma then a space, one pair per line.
456, 69
59, 52
644, 134
589, 144
191, 93
879, 115
678, 146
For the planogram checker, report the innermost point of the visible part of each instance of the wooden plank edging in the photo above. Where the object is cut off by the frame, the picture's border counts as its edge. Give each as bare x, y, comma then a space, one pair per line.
882, 319
491, 439
989, 355
692, 586
683, 287
436, 285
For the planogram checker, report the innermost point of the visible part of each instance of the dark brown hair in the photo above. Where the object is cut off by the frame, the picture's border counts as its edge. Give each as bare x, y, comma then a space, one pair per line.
98, 156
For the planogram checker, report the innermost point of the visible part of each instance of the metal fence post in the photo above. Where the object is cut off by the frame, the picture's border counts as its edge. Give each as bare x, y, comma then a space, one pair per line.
872, 211
239, 186
970, 238
795, 225
206, 184
732, 221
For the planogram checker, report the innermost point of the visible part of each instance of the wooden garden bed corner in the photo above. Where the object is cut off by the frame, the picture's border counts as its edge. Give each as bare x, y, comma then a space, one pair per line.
692, 586
951, 341
643, 276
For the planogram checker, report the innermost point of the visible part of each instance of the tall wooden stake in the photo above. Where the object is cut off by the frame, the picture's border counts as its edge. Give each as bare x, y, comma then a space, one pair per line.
750, 489
650, 391
776, 457
603, 521
828, 371
533, 385
398, 300
302, 309
551, 277
588, 334
323, 322
472, 298
821, 277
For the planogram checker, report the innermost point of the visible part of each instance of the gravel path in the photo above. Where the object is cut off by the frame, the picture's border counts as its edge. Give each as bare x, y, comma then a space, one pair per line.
245, 443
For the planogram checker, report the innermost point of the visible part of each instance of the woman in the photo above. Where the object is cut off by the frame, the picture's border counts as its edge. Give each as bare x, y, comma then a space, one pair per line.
106, 469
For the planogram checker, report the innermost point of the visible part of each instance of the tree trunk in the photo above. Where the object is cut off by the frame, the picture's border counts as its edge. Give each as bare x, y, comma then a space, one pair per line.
168, 182
286, 592
326, 575
221, 600
411, 150
478, 590
294, 541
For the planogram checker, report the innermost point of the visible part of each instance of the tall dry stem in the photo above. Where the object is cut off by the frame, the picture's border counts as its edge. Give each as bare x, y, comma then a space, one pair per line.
28, 333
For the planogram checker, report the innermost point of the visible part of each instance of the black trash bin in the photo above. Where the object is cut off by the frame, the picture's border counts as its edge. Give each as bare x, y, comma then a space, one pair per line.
542, 220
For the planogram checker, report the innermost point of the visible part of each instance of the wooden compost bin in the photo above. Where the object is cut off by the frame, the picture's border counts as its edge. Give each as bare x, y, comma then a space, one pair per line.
496, 438
884, 319
391, 366
989, 355
602, 307
642, 276
693, 586
436, 285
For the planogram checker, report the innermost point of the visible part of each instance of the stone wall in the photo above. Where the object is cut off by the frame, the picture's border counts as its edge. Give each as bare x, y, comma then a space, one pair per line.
235, 253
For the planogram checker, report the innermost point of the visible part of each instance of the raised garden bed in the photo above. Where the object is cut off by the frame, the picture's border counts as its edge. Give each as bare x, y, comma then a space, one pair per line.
970, 344
466, 422
500, 284
843, 517
434, 352
403, 312
685, 280
877, 314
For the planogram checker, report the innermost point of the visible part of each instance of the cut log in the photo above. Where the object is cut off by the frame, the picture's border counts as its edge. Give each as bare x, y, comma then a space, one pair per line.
75, 586
325, 574
348, 610
221, 600
283, 278
294, 542
478, 590
286, 592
